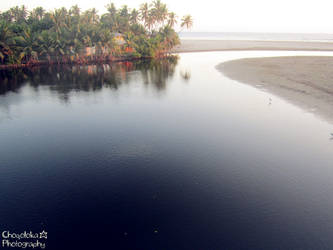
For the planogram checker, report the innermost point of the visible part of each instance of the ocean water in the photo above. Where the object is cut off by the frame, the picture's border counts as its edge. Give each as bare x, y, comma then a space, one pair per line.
310, 37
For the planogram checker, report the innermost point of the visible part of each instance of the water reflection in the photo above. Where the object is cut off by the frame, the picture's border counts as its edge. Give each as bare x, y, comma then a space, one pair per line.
66, 78
185, 74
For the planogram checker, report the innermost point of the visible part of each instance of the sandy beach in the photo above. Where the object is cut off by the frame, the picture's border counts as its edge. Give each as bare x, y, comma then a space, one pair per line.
306, 81
222, 45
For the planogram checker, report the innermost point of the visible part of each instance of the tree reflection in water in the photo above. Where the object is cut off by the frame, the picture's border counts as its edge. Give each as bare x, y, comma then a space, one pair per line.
65, 79
186, 75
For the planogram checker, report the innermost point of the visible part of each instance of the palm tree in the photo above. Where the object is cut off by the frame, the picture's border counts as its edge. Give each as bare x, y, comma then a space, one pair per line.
92, 16
6, 16
172, 19
57, 18
105, 42
145, 15
47, 45
164, 13
19, 14
169, 38
123, 12
111, 9
75, 10
76, 49
110, 19
187, 22
134, 16
74, 17
28, 45
37, 13
60, 49
123, 18
62, 34
6, 41
159, 11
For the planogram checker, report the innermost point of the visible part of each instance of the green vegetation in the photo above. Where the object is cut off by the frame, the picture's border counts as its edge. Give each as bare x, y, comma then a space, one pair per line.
71, 36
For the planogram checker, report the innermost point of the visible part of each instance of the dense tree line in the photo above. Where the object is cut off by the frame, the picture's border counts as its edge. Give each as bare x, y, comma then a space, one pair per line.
63, 35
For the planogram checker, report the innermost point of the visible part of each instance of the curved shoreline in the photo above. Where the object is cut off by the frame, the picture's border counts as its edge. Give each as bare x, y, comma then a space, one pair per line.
306, 81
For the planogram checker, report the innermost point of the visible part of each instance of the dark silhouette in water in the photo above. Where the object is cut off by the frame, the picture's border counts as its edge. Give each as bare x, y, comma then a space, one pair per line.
66, 78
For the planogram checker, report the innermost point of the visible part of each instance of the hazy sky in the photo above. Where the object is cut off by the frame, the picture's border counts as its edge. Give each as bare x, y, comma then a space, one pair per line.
232, 15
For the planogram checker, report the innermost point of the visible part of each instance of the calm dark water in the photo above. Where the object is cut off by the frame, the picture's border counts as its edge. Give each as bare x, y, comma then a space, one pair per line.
161, 155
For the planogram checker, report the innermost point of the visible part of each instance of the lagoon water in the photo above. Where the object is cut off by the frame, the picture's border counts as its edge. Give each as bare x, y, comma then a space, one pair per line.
162, 155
